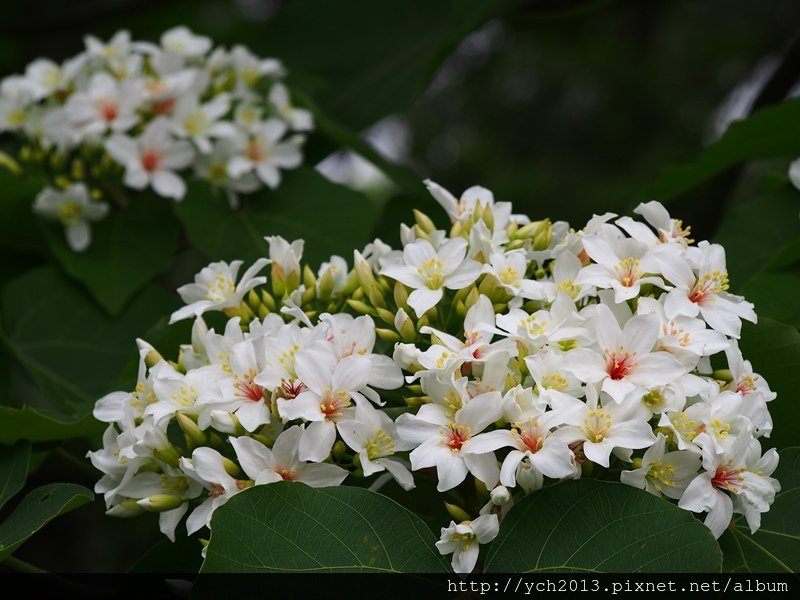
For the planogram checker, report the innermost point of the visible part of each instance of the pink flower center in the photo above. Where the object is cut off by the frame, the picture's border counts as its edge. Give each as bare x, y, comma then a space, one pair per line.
246, 388
254, 151
150, 159
163, 106
619, 364
291, 388
455, 436
108, 110
728, 479
286, 474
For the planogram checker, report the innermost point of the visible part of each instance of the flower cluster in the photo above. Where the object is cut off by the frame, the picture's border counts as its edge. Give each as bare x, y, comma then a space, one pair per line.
143, 115
497, 357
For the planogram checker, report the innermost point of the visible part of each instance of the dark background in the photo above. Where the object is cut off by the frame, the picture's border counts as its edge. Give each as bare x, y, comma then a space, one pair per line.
563, 108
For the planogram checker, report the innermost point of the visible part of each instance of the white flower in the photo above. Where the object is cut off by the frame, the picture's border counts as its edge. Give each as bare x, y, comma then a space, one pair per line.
73, 208
741, 472
663, 472
215, 288
372, 434
151, 159
330, 387
428, 270
627, 362
104, 105
463, 540
298, 119
182, 41
462, 208
706, 291
201, 122
608, 427
206, 467
282, 462
261, 152
623, 268
118, 46
455, 445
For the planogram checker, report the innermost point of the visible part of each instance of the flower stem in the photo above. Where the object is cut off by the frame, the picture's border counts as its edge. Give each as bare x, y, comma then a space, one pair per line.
20, 566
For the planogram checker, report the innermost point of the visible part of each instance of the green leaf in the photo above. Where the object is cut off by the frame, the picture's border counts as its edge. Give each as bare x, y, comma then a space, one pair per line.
29, 424
18, 224
774, 296
290, 527
596, 526
36, 510
72, 350
769, 133
760, 235
406, 40
774, 351
775, 547
128, 249
13, 469
331, 218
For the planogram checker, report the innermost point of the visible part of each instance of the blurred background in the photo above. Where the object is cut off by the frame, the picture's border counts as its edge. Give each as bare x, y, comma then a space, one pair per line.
565, 108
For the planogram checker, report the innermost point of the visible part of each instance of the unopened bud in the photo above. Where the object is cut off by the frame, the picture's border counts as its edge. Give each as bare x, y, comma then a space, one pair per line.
160, 502
366, 278
387, 335
405, 355
472, 298
543, 235
190, 428
404, 325
360, 307
267, 300
226, 422
231, 468
400, 294
500, 495
309, 279
376, 297
458, 513
339, 450
167, 455
151, 355
325, 288
386, 316
424, 221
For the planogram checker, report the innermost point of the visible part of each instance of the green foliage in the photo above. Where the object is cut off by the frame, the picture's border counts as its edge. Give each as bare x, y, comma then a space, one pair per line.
305, 206
291, 527
128, 250
594, 526
71, 349
775, 547
36, 510
13, 469
774, 351
772, 132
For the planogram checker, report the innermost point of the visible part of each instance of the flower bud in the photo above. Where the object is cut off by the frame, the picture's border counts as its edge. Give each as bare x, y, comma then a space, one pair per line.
160, 503
458, 513
309, 279
151, 355
360, 307
231, 468
387, 335
167, 455
190, 428
405, 355
405, 326
500, 495
226, 422
424, 221
366, 278
400, 295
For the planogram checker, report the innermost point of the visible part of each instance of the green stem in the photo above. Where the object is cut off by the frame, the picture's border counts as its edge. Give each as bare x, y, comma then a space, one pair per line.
20, 566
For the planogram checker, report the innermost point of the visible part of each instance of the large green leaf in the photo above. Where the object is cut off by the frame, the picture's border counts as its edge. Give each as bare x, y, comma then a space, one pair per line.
774, 351
595, 526
72, 351
128, 249
13, 469
775, 295
29, 424
331, 218
775, 547
769, 133
290, 527
382, 60
759, 235
36, 510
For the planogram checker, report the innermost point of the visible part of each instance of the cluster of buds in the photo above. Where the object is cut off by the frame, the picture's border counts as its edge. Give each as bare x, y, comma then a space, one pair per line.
489, 361
127, 114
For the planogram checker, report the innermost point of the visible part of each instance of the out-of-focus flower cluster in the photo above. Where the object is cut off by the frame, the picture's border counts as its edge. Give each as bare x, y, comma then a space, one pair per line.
496, 358
128, 114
